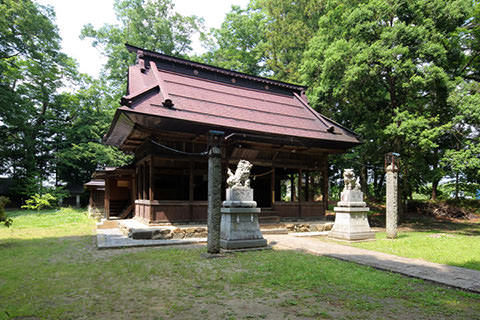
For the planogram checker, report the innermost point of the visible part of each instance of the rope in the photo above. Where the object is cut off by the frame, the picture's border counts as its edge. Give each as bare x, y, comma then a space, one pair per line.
261, 174
204, 153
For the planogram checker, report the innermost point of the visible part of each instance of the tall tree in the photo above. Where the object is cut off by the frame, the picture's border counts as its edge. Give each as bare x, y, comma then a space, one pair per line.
289, 27
239, 44
151, 25
32, 69
47, 133
384, 68
79, 147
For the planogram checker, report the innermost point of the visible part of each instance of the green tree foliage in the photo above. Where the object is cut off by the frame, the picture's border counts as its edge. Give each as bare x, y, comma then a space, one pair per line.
403, 74
151, 25
386, 69
40, 201
289, 27
47, 133
80, 147
32, 70
239, 44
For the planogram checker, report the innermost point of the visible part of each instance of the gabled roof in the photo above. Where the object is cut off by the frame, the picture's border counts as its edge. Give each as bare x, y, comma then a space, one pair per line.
176, 89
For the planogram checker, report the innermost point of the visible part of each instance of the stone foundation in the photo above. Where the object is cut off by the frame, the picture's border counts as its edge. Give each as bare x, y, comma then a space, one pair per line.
351, 221
239, 227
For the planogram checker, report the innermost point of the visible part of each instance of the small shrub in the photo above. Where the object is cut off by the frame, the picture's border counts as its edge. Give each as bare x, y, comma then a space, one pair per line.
40, 201
3, 216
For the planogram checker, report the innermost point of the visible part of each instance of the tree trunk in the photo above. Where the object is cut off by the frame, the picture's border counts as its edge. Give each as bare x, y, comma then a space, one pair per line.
363, 180
456, 186
434, 189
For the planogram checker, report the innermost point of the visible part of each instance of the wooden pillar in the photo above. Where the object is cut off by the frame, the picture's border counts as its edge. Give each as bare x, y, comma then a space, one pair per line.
307, 186
133, 193
300, 193
191, 182
137, 183
272, 186
107, 198
325, 183
292, 188
144, 191
151, 178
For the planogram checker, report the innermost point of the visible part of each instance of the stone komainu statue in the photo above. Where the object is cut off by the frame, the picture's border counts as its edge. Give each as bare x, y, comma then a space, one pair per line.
351, 182
240, 179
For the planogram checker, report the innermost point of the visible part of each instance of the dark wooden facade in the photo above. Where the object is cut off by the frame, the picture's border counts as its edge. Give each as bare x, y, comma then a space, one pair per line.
171, 105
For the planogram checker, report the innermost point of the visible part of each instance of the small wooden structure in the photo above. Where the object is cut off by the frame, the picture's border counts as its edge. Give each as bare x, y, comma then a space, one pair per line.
170, 106
96, 201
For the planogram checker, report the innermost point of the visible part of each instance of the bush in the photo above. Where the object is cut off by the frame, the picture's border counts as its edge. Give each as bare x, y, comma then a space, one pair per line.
40, 201
3, 216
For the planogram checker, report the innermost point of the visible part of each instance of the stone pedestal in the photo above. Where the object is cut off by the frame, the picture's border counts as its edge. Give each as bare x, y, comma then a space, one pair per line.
351, 222
239, 227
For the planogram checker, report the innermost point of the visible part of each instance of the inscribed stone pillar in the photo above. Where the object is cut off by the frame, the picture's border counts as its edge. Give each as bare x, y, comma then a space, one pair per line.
214, 192
392, 202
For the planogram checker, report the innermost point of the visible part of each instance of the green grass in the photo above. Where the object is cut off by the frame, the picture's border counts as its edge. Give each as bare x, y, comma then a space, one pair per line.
456, 248
50, 269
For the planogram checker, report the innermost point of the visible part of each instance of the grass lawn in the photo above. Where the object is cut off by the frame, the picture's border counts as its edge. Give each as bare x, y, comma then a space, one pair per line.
452, 243
50, 269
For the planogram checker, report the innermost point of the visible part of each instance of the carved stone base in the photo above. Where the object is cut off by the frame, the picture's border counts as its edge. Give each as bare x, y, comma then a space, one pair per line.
240, 229
239, 197
242, 244
351, 223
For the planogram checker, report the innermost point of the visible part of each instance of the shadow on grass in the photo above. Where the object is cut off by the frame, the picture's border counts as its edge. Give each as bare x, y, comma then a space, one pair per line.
430, 224
15, 213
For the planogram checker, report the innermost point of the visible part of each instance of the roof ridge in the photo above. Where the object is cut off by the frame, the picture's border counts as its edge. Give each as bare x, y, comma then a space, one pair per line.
154, 54
321, 117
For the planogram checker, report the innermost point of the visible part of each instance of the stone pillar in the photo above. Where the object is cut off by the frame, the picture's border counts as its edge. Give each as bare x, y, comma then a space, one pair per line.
392, 202
77, 201
214, 191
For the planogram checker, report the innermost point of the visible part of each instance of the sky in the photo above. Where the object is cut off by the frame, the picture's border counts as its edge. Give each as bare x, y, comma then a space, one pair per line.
73, 14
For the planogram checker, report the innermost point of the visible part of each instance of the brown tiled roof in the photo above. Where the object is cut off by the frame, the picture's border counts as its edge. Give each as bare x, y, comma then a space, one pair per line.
243, 102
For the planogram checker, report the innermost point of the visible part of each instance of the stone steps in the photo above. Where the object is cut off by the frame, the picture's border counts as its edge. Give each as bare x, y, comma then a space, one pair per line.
137, 230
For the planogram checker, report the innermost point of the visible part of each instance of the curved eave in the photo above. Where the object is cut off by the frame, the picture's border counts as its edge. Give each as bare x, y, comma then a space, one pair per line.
124, 123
